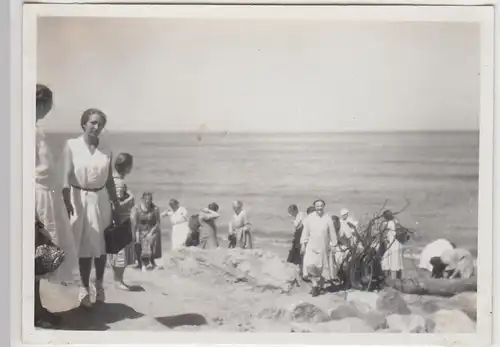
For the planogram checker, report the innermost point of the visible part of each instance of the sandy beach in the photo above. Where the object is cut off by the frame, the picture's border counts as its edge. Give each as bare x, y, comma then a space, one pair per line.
249, 291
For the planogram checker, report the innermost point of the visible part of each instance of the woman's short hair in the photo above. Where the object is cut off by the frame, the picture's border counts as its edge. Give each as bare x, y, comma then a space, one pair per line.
319, 200
293, 208
91, 111
310, 209
122, 162
145, 194
213, 207
43, 95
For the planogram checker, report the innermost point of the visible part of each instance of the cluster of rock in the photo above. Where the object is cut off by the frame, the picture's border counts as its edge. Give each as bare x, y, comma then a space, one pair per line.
386, 312
347, 311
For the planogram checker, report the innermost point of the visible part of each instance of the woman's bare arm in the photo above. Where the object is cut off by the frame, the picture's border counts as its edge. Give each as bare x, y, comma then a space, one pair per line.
68, 171
110, 183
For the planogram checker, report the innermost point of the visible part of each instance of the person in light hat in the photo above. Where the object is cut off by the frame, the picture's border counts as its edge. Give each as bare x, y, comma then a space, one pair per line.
347, 226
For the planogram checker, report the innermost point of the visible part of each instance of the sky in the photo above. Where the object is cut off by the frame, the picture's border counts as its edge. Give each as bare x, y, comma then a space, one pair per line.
261, 75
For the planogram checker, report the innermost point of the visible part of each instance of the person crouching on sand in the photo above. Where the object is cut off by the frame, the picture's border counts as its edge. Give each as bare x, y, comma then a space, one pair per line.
240, 226
318, 237
453, 263
145, 218
294, 255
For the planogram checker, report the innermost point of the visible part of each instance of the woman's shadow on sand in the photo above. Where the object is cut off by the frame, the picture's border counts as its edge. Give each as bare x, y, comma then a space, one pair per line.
188, 319
96, 318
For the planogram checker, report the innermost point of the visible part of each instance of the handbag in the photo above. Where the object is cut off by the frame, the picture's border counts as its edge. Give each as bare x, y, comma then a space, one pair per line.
118, 236
403, 234
48, 256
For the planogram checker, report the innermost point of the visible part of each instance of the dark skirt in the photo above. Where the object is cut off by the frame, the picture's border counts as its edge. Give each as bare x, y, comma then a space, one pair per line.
156, 246
294, 255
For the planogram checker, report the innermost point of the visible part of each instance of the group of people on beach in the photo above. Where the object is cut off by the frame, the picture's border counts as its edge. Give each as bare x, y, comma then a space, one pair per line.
322, 243
93, 196
319, 244
75, 213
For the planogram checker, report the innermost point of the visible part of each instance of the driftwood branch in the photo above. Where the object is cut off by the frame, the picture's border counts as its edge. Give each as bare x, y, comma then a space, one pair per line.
361, 267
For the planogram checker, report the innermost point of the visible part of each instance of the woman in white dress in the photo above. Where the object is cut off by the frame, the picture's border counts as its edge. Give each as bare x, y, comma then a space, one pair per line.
49, 204
392, 259
180, 227
89, 194
317, 240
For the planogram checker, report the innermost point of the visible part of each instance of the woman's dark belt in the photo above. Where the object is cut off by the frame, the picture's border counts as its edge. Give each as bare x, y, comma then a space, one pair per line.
94, 190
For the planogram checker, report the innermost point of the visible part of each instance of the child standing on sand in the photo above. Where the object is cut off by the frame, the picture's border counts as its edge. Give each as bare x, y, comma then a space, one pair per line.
118, 262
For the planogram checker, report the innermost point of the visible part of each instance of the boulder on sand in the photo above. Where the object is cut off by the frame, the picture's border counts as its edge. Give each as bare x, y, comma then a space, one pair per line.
307, 312
365, 301
390, 301
299, 312
467, 302
409, 323
452, 321
376, 320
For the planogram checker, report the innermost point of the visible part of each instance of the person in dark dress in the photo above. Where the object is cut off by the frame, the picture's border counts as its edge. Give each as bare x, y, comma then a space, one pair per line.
145, 219
294, 255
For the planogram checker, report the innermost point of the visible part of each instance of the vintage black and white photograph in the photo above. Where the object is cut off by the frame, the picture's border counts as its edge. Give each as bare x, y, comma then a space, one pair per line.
244, 174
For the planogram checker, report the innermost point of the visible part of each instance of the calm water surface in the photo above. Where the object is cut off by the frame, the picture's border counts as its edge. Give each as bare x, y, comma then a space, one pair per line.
436, 172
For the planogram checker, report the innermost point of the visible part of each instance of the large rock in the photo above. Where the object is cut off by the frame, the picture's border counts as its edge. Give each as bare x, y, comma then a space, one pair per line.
307, 312
409, 323
467, 302
390, 301
366, 301
346, 325
297, 312
376, 320
452, 321
344, 310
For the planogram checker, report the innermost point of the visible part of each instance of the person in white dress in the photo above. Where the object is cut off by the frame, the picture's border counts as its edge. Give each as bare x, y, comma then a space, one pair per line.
179, 219
240, 227
49, 205
317, 240
90, 196
392, 259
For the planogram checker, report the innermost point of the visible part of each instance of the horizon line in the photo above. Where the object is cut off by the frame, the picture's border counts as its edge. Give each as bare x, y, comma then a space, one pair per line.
226, 132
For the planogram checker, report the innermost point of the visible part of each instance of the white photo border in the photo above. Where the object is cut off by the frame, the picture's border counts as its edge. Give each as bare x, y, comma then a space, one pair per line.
22, 171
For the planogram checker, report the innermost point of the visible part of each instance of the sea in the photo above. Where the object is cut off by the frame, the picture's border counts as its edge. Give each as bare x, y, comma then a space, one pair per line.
432, 175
